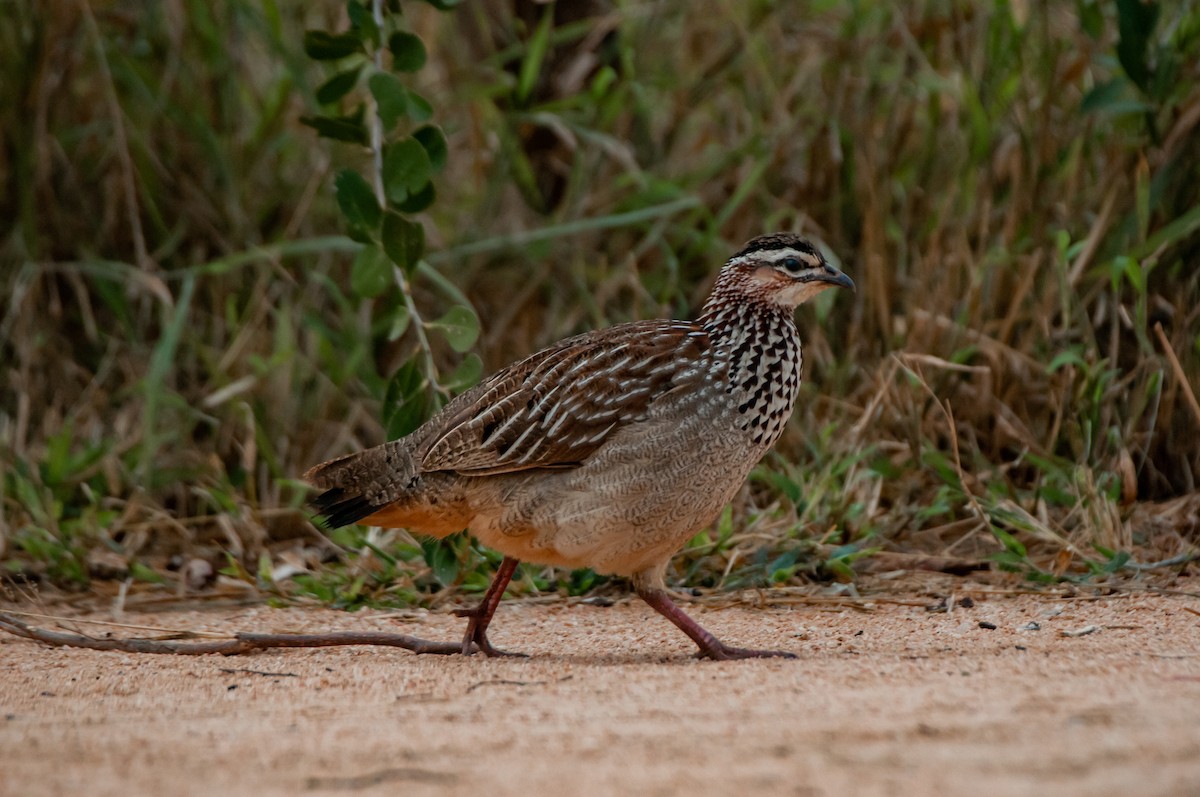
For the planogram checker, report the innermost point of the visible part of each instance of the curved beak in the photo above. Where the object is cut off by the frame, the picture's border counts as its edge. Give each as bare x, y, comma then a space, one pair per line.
835, 277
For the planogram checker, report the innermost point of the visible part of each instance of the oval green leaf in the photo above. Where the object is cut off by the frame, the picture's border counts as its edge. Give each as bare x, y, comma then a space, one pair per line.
419, 109
371, 273
337, 86
362, 22
460, 326
434, 142
408, 51
391, 98
403, 240
356, 199
418, 201
406, 402
467, 373
325, 46
406, 169
340, 128
442, 560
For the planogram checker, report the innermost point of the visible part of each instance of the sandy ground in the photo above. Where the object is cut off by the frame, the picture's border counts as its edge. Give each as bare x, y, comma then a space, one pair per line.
884, 699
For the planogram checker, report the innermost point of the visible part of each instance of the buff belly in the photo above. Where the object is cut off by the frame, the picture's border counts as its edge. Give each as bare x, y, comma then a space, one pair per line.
625, 511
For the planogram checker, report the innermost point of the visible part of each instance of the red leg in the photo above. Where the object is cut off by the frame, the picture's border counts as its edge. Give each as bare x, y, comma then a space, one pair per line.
710, 646
480, 617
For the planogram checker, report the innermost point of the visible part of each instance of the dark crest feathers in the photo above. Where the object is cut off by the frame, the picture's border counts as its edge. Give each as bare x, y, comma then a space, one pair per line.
779, 240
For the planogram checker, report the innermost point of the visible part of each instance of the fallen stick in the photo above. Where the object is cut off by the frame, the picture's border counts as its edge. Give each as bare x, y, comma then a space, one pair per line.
242, 642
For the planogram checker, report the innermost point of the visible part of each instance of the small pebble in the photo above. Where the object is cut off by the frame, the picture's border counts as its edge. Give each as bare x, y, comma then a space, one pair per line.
987, 625
1087, 629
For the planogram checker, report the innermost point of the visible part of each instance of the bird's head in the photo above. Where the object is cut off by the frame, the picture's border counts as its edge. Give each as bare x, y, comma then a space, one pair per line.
782, 269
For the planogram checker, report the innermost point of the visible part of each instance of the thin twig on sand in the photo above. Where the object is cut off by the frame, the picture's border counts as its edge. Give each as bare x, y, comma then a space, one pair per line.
242, 642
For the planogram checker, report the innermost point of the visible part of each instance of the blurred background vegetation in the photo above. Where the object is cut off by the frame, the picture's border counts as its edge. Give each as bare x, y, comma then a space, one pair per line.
1015, 188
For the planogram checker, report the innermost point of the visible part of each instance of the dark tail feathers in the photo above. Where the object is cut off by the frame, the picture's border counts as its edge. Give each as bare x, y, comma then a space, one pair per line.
357, 485
340, 508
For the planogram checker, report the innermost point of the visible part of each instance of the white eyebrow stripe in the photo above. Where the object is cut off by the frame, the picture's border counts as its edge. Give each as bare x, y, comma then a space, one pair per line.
807, 258
774, 256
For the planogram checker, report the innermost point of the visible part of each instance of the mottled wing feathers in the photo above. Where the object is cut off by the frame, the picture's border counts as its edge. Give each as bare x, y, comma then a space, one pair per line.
555, 408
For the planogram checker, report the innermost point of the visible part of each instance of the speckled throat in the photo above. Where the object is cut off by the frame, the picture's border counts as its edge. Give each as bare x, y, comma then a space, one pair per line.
761, 345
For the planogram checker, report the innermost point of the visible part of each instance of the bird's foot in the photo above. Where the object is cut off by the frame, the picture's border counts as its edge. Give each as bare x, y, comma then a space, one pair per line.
718, 651
475, 639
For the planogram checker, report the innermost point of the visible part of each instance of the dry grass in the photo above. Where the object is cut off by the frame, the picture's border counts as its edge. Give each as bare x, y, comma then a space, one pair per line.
179, 342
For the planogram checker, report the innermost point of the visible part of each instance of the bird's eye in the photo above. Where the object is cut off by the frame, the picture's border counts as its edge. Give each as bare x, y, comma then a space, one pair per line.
791, 264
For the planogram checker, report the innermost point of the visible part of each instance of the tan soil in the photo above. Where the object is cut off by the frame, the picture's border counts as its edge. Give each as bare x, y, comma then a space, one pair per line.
891, 700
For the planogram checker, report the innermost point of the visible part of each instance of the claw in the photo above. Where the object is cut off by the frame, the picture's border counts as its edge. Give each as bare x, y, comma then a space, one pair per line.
475, 639
722, 652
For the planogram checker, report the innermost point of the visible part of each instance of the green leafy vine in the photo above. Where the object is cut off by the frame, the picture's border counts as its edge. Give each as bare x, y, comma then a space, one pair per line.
366, 102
